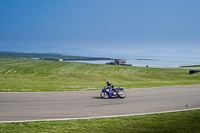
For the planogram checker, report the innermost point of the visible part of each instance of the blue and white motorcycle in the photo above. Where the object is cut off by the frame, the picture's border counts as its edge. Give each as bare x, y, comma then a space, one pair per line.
109, 92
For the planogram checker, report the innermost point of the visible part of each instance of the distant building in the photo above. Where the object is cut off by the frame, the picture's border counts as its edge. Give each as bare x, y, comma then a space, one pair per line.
36, 58
120, 61
58, 60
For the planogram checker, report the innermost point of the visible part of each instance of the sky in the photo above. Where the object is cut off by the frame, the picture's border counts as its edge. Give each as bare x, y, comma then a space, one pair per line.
102, 25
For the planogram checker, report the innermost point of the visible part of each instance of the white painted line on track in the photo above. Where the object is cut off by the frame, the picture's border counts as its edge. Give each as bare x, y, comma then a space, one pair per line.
112, 116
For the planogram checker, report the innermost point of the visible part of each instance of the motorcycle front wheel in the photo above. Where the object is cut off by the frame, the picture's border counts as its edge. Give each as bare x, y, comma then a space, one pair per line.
121, 94
104, 95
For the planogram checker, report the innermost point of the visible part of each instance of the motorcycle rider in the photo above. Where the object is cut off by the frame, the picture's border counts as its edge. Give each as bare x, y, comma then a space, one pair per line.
109, 85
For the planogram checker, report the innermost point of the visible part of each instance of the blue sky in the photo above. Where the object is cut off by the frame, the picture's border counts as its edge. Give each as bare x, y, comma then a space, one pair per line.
102, 25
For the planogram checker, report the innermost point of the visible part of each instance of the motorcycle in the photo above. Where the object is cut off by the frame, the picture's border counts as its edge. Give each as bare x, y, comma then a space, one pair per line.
108, 92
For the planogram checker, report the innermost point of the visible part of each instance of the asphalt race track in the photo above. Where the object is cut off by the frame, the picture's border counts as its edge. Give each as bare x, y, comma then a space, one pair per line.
24, 106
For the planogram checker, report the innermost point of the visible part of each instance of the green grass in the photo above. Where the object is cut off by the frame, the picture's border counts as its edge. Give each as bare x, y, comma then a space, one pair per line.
21, 75
179, 122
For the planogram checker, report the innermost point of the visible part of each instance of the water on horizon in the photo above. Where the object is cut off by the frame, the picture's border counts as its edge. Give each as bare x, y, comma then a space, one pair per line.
153, 61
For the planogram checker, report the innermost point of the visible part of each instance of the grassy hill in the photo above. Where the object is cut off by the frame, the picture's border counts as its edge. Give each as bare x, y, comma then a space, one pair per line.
18, 75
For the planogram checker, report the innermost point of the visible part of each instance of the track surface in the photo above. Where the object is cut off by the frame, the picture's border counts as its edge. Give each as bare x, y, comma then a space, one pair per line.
56, 105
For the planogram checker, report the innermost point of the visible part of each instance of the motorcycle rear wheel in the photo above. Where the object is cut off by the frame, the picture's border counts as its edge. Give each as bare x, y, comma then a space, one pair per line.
104, 95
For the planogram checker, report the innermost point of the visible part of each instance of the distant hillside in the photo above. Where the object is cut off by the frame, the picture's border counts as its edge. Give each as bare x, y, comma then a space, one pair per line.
80, 53
10, 54
179, 53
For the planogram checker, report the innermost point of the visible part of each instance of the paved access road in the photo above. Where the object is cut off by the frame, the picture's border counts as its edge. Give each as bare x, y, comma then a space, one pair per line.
55, 105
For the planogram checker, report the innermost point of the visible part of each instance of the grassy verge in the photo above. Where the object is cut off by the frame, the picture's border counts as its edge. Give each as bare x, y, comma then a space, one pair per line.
183, 122
21, 75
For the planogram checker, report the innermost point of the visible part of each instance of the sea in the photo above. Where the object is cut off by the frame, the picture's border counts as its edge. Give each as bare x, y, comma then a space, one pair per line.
152, 61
